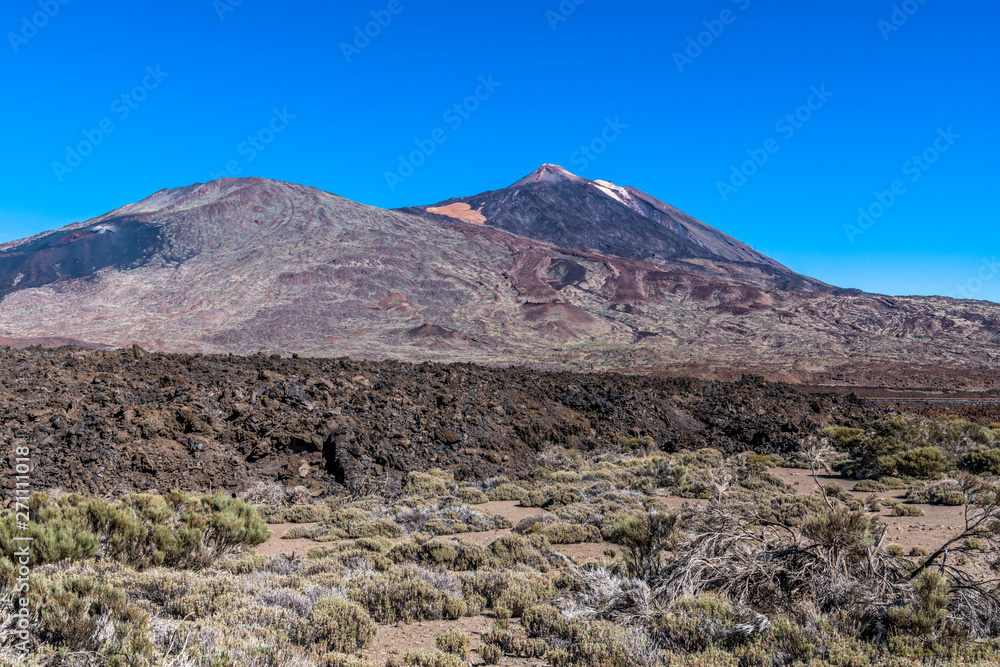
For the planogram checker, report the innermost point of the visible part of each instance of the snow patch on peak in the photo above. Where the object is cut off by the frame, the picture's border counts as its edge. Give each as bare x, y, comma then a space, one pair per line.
613, 191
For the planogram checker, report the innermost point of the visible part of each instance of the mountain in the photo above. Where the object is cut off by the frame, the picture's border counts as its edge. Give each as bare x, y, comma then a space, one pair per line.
558, 207
248, 265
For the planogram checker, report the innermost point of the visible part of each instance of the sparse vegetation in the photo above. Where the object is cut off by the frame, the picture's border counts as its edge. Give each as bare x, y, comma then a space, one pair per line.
749, 572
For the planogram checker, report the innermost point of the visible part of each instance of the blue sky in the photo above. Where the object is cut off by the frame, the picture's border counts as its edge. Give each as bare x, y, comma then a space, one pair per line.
882, 97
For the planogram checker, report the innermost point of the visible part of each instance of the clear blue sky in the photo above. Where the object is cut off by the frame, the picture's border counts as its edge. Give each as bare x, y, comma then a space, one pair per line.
220, 80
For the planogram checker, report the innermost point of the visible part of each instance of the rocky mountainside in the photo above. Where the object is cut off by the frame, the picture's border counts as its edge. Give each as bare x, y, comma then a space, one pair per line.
566, 210
112, 421
247, 265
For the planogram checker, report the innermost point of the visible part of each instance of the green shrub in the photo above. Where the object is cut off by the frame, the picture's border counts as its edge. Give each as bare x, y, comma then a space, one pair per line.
845, 531
429, 484
870, 486
644, 538
491, 654
385, 528
423, 659
507, 491
922, 463
947, 492
907, 510
602, 644
543, 620
336, 624
558, 532
846, 438
449, 554
893, 483
927, 611
83, 614
516, 549
455, 643
305, 514
140, 530
513, 591
981, 460
401, 595
470, 495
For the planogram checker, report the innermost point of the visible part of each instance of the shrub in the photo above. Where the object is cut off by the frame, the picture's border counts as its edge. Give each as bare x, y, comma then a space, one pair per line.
981, 460
602, 644
507, 491
558, 532
948, 492
472, 496
907, 510
305, 514
512, 591
141, 530
520, 594
644, 537
83, 614
847, 438
449, 554
833, 490
516, 549
431, 483
491, 654
402, 595
929, 608
455, 643
422, 659
844, 531
870, 486
543, 620
922, 463
893, 483
336, 624
708, 458
385, 528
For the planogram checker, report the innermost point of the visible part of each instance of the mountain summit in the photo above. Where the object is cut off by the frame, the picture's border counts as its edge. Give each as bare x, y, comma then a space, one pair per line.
549, 173
554, 205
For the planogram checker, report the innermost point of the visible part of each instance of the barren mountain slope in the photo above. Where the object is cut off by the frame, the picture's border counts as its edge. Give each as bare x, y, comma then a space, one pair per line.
553, 205
242, 265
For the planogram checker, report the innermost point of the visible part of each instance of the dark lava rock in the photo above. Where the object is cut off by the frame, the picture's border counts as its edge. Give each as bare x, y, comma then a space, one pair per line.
108, 421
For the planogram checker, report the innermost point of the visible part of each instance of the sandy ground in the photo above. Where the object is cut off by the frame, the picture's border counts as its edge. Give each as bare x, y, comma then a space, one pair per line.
396, 640
276, 545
